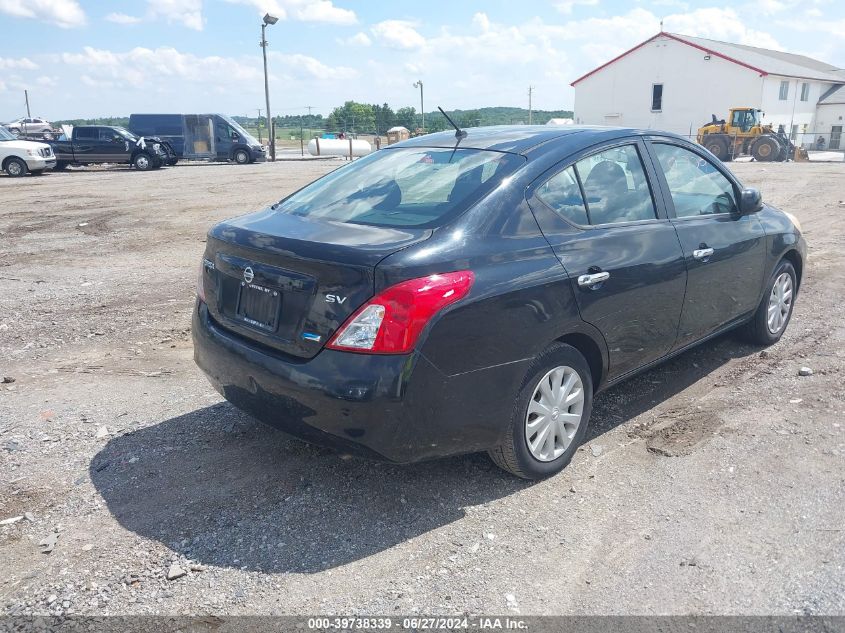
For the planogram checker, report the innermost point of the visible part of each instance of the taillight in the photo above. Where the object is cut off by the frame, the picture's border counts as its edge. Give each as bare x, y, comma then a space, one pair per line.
200, 283
391, 322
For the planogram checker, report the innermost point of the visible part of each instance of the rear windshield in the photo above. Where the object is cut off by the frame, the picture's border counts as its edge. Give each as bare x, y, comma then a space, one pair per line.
413, 187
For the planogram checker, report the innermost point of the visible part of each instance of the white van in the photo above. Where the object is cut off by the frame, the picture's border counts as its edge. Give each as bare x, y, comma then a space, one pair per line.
18, 157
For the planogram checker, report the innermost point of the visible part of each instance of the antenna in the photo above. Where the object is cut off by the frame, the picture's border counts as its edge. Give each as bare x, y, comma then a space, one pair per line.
459, 133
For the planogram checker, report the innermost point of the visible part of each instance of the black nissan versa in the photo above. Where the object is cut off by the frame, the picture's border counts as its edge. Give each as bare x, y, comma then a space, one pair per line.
472, 291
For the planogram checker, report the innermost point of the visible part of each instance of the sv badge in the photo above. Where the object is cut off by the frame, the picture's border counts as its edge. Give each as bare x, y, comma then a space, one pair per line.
335, 299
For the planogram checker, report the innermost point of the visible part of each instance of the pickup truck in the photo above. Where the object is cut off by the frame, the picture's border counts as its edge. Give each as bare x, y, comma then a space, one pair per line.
17, 157
90, 144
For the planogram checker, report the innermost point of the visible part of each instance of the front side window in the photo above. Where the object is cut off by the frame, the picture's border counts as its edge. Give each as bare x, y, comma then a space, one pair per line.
615, 186
784, 91
696, 186
107, 135
412, 187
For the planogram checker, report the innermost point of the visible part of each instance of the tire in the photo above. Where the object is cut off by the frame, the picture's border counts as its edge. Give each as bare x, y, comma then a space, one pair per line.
60, 166
241, 157
15, 167
759, 329
172, 161
718, 146
37, 172
514, 453
766, 149
143, 162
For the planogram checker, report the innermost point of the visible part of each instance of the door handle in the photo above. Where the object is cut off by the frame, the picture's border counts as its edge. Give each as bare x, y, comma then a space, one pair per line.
593, 279
702, 253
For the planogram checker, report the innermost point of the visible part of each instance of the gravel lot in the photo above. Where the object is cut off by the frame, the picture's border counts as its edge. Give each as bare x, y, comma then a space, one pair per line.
714, 484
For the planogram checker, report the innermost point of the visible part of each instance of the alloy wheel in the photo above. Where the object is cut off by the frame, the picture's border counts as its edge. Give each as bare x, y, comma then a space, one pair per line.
554, 413
780, 302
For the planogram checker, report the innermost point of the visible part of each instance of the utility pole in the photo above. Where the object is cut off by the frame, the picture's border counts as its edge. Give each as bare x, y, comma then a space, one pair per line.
259, 127
26, 96
309, 120
268, 20
419, 84
530, 90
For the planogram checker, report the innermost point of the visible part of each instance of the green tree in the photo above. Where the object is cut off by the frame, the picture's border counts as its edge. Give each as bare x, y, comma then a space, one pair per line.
470, 118
385, 117
407, 117
352, 117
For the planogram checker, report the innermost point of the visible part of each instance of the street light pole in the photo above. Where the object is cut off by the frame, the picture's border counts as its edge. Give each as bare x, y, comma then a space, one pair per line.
419, 84
271, 131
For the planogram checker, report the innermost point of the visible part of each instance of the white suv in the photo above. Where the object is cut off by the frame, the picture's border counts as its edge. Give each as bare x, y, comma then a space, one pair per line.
30, 126
18, 157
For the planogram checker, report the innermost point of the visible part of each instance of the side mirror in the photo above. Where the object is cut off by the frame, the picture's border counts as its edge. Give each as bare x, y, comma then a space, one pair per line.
750, 201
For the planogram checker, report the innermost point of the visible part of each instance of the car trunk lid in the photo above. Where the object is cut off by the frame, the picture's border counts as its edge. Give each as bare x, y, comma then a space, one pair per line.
289, 282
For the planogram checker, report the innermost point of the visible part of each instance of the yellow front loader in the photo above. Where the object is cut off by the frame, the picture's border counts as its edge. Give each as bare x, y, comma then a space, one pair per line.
743, 133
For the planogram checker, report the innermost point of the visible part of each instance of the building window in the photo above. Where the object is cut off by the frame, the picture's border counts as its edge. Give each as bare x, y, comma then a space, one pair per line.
784, 91
805, 91
656, 97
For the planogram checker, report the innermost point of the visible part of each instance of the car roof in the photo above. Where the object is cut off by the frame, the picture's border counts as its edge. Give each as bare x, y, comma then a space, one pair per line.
521, 139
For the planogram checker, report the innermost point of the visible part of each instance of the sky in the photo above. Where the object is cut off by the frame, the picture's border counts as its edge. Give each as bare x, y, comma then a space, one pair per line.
89, 58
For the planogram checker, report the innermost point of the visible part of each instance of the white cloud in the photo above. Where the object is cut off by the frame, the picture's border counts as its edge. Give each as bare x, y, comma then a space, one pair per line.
719, 24
566, 6
481, 21
323, 11
399, 34
122, 18
21, 63
359, 39
298, 66
147, 66
186, 12
303, 10
63, 13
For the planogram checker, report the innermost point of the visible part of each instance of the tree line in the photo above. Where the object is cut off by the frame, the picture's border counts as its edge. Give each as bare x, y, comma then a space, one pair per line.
371, 118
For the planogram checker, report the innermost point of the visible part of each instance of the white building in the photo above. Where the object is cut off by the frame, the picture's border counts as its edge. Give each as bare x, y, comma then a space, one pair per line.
676, 83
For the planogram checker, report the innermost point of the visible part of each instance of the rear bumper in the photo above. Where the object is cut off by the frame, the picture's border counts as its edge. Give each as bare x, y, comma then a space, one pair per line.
396, 408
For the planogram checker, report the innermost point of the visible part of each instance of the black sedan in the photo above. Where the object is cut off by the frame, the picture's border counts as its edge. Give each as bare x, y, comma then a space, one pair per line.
473, 291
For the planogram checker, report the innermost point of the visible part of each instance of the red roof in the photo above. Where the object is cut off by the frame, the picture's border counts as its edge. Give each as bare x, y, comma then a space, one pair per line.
678, 39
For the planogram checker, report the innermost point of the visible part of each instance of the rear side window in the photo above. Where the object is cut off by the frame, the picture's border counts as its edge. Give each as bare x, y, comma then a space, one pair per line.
562, 193
615, 186
88, 134
696, 186
413, 187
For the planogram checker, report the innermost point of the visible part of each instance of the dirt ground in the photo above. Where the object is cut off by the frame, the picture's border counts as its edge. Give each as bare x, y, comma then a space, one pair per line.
714, 484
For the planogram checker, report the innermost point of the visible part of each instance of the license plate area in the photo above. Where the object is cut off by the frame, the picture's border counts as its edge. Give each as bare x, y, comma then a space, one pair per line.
259, 306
